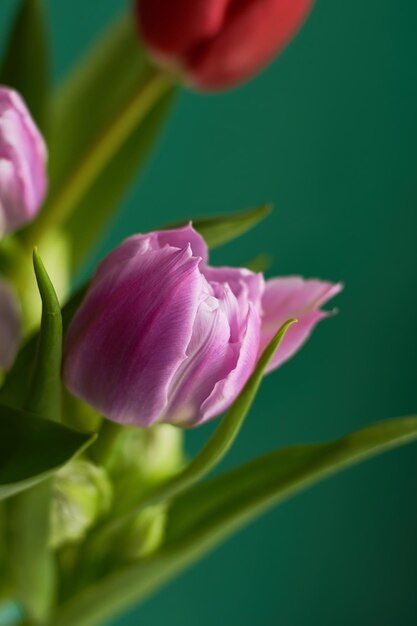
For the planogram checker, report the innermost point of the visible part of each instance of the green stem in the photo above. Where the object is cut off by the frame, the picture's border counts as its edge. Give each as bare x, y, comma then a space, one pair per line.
101, 452
65, 199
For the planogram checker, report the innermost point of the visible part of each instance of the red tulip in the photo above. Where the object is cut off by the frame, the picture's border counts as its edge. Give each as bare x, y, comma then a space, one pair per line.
219, 43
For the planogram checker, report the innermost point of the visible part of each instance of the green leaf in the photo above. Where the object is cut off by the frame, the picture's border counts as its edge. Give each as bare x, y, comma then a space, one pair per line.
207, 514
105, 116
260, 263
31, 449
227, 502
26, 62
44, 397
32, 565
17, 381
223, 228
109, 188
217, 447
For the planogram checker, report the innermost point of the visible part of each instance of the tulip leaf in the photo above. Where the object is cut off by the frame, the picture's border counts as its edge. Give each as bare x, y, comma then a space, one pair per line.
227, 431
101, 130
26, 61
17, 381
11, 391
108, 190
32, 568
223, 228
31, 449
44, 397
207, 514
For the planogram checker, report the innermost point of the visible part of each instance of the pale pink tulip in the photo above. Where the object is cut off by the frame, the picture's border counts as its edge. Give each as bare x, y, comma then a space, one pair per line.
162, 336
23, 157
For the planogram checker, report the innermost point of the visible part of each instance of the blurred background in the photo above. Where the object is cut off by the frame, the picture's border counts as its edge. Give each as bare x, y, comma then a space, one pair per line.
328, 134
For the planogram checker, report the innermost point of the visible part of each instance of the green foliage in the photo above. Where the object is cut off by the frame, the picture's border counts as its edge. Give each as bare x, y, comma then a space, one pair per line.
220, 229
26, 61
34, 447
31, 449
45, 392
101, 133
205, 515
225, 434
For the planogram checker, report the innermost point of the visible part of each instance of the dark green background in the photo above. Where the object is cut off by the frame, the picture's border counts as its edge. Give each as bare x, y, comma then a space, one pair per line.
329, 135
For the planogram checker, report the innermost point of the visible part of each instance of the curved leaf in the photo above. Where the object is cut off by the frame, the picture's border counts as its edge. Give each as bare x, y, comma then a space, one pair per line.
44, 397
208, 513
32, 563
31, 449
109, 188
17, 380
220, 229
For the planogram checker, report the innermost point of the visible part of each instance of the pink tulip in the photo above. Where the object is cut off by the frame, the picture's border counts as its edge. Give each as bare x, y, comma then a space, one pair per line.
162, 336
23, 159
9, 325
219, 43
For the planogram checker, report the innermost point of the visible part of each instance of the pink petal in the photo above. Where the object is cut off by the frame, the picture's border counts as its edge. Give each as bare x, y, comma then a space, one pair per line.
181, 238
210, 357
293, 297
227, 390
23, 157
246, 285
131, 332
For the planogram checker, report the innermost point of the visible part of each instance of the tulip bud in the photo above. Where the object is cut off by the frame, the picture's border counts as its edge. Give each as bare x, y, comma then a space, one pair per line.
9, 325
23, 159
144, 534
82, 493
156, 453
217, 44
163, 337
141, 460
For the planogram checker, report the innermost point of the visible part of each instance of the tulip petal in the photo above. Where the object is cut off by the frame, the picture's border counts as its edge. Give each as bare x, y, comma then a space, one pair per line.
181, 237
176, 26
246, 285
129, 338
9, 325
227, 389
23, 157
139, 244
210, 357
253, 32
293, 297
10, 198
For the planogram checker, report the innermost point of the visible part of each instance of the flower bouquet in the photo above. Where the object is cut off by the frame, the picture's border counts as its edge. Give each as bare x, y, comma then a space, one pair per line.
99, 504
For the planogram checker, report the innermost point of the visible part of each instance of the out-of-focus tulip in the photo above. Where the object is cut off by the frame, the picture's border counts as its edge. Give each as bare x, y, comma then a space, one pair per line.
9, 325
23, 157
162, 336
219, 43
